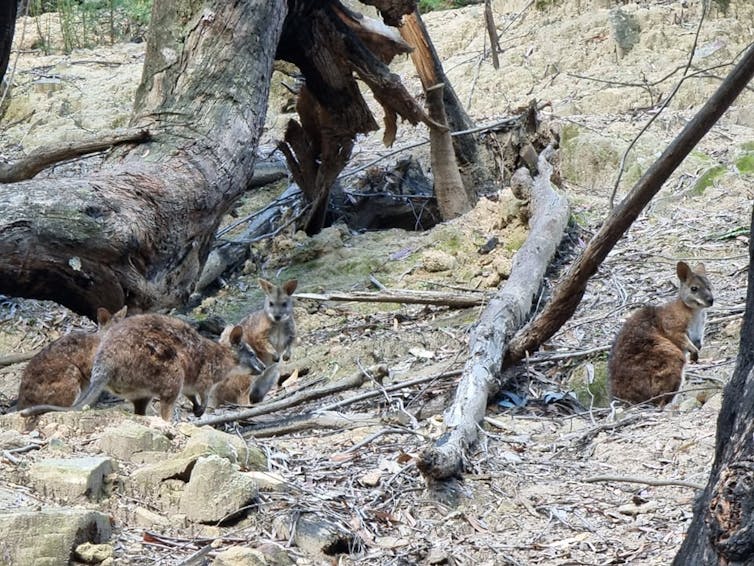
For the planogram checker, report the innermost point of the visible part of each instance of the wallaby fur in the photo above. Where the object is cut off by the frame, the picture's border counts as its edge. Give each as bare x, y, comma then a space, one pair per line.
648, 355
58, 373
271, 332
157, 356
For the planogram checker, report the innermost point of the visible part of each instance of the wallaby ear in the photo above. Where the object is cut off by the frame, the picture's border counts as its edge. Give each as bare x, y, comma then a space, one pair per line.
103, 316
266, 286
235, 335
120, 315
290, 286
699, 269
683, 270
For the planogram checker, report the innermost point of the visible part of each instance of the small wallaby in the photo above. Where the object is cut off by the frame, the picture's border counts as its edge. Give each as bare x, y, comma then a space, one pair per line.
157, 356
271, 332
58, 373
648, 355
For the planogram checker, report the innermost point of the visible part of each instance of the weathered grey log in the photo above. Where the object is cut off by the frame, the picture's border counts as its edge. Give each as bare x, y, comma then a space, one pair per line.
506, 313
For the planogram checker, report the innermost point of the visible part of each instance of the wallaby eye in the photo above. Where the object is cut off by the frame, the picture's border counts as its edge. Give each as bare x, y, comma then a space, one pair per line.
694, 288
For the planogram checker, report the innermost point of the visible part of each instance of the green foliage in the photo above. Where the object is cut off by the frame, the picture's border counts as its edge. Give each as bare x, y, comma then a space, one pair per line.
86, 23
707, 179
722, 5
544, 4
434, 5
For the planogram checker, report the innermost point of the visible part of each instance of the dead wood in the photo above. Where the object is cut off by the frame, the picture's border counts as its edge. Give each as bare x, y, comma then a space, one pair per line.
645, 481
489, 22
402, 296
475, 164
569, 291
12, 359
298, 423
330, 45
452, 199
7, 29
47, 155
352, 382
504, 315
387, 389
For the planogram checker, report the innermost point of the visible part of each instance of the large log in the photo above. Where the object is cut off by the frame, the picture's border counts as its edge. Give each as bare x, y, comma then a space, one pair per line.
505, 314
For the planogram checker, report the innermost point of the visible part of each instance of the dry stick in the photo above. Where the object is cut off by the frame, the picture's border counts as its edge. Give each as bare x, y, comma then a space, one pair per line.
13, 359
489, 22
387, 389
47, 155
298, 423
647, 481
403, 296
568, 293
503, 316
355, 380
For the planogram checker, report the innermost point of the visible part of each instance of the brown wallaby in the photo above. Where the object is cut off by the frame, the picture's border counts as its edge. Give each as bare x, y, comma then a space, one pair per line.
648, 355
58, 373
157, 356
271, 332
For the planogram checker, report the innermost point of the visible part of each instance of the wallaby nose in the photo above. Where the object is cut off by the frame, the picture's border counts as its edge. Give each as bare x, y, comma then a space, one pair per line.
711, 301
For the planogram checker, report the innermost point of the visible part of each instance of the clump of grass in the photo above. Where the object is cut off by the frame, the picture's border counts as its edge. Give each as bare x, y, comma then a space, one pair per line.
435, 5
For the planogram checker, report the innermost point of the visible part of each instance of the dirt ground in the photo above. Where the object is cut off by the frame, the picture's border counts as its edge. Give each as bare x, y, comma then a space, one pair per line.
526, 498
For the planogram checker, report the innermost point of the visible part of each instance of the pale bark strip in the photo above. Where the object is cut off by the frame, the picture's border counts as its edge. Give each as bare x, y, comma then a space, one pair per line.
50, 154
402, 296
505, 314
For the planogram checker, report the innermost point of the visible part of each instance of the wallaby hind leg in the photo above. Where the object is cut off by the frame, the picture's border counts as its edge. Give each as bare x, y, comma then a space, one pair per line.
264, 383
140, 405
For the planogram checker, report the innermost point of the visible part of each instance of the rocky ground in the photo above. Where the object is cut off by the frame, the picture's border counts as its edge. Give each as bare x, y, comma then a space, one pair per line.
546, 485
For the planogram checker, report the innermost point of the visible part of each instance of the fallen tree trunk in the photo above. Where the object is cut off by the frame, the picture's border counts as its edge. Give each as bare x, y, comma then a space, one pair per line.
402, 296
568, 293
505, 314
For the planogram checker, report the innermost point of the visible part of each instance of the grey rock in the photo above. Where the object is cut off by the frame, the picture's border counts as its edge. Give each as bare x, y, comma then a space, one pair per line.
57, 532
216, 491
240, 556
625, 29
72, 479
129, 441
207, 440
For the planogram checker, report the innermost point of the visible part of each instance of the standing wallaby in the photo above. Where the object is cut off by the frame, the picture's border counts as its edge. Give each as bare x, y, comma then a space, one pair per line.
647, 359
157, 356
58, 373
271, 332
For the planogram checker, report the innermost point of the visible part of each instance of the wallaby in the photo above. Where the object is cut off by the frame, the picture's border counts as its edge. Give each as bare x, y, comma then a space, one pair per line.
154, 355
58, 373
648, 355
271, 332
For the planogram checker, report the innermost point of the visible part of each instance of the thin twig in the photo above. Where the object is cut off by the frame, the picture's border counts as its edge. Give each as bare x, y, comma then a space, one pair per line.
646, 481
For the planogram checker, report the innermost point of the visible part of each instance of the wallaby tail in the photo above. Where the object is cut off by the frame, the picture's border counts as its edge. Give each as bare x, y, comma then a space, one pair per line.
264, 383
96, 385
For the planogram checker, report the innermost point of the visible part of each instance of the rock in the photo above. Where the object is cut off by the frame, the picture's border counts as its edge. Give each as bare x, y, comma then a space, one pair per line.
12, 439
149, 519
625, 30
240, 556
268, 481
434, 261
315, 535
93, 553
72, 479
207, 440
275, 554
216, 491
129, 441
56, 532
